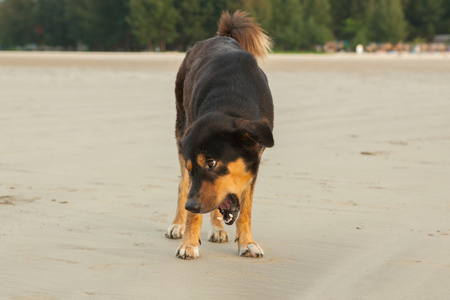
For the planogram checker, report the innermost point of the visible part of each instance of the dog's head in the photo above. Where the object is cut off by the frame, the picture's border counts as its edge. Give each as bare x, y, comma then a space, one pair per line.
222, 156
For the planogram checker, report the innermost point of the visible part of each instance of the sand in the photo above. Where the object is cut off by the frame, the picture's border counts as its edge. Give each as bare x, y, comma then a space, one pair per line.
353, 202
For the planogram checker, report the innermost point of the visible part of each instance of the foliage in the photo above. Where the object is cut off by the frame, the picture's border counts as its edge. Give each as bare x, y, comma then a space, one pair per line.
193, 24
388, 22
355, 31
102, 23
289, 28
153, 22
17, 22
177, 24
425, 17
317, 23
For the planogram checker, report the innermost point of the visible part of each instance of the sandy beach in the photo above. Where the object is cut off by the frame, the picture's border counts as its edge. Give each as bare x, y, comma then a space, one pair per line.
353, 202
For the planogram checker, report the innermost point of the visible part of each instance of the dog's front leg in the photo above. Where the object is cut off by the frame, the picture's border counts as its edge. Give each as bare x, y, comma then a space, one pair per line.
190, 242
176, 230
217, 234
246, 244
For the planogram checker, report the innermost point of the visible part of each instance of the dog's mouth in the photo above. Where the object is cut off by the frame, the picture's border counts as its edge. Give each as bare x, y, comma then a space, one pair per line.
229, 209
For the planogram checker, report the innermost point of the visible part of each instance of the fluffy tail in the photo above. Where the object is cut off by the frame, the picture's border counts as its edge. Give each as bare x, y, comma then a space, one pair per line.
246, 31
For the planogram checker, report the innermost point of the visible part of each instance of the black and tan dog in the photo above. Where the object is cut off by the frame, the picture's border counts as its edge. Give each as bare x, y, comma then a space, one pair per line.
224, 123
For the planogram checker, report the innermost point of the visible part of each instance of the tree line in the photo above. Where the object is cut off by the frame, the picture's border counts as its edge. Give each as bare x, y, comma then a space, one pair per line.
135, 25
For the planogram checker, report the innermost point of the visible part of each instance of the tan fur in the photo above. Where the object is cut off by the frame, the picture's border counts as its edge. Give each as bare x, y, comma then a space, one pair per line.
201, 159
217, 234
246, 31
178, 225
243, 224
211, 195
189, 165
246, 244
207, 197
215, 214
191, 239
236, 180
183, 189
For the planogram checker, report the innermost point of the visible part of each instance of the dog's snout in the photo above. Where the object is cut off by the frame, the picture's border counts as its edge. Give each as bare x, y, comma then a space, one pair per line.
193, 206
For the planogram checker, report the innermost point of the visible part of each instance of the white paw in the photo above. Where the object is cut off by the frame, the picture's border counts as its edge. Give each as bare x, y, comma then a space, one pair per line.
217, 235
251, 250
175, 231
187, 252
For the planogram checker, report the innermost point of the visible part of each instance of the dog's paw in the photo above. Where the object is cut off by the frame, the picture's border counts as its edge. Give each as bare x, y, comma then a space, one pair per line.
217, 235
186, 251
251, 250
175, 231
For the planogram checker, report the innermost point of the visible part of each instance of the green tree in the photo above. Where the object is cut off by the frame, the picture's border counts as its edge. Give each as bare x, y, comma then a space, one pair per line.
425, 17
294, 24
444, 22
356, 30
319, 10
18, 22
51, 23
101, 24
153, 22
317, 23
288, 24
192, 25
388, 23
340, 11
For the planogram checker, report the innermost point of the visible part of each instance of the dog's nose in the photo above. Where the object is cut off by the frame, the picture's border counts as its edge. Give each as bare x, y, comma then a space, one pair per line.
193, 206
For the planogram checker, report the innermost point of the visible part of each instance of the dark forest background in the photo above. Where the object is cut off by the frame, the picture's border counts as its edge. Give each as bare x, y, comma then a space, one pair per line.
135, 25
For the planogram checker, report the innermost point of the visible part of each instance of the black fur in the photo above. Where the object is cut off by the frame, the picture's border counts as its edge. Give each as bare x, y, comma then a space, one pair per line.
224, 123
224, 104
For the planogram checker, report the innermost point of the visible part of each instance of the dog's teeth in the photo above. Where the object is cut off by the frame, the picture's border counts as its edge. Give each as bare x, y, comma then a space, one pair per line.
231, 216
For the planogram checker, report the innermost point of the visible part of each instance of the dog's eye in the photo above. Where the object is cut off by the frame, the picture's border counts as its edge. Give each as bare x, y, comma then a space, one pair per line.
211, 163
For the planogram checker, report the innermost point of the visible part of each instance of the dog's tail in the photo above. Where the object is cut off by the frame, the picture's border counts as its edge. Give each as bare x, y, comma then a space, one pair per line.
246, 31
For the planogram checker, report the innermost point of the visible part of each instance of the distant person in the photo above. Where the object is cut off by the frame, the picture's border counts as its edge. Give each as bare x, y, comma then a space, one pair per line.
359, 49
417, 49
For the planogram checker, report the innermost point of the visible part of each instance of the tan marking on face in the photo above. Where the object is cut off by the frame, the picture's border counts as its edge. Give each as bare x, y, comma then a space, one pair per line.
189, 165
201, 159
212, 194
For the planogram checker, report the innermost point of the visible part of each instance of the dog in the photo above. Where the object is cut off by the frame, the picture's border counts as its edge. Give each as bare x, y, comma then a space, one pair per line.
224, 122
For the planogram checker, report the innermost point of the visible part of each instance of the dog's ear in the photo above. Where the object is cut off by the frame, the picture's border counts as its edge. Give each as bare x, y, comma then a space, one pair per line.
259, 131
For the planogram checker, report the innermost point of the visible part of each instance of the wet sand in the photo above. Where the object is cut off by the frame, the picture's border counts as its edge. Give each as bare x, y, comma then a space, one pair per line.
353, 202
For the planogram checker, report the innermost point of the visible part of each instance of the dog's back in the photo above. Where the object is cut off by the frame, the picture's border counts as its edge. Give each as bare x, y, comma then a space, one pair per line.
223, 71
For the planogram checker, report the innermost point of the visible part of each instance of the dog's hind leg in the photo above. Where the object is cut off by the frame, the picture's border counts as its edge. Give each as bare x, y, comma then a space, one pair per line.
190, 242
217, 233
246, 244
176, 230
